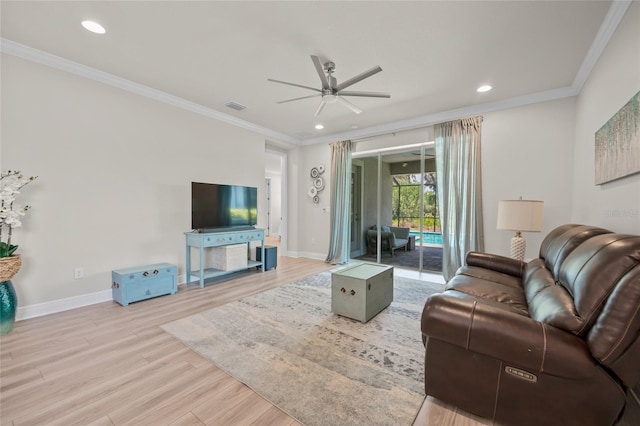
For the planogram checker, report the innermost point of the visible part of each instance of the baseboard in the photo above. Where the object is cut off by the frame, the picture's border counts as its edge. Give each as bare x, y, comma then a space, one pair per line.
182, 279
60, 305
46, 308
307, 254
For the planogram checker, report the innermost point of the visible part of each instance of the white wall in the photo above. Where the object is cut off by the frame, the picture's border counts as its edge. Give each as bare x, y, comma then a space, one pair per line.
114, 176
309, 223
527, 151
613, 81
313, 219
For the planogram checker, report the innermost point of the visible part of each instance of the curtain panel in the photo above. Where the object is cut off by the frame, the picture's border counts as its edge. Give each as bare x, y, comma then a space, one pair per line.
340, 212
459, 179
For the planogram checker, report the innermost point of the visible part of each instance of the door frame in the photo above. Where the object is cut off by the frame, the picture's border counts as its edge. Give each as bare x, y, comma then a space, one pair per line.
284, 201
360, 249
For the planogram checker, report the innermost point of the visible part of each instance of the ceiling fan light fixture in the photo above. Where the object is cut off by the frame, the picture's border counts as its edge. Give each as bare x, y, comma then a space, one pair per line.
319, 126
484, 88
330, 99
94, 27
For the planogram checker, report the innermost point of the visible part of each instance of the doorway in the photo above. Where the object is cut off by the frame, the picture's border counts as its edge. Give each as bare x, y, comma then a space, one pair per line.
276, 199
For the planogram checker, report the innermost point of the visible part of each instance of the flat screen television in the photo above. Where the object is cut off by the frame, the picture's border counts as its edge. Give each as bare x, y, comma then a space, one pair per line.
215, 206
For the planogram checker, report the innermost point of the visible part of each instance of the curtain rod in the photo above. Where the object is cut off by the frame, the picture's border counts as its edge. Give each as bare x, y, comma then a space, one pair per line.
394, 133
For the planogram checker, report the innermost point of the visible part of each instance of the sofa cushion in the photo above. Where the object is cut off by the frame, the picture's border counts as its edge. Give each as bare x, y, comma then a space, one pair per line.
483, 287
592, 271
548, 302
614, 339
560, 242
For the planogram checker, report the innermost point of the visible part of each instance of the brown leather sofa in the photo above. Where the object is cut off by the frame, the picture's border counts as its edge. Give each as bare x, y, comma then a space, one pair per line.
552, 341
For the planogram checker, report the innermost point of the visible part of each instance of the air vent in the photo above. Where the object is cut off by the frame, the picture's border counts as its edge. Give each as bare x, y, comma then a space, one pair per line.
235, 105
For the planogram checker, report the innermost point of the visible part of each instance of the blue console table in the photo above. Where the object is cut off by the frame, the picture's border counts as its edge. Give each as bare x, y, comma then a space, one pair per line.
215, 239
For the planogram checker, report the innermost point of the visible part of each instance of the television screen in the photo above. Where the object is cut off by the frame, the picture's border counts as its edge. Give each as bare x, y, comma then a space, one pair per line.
223, 206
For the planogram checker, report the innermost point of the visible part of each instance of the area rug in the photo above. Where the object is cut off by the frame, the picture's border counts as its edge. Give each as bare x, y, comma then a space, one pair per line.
320, 368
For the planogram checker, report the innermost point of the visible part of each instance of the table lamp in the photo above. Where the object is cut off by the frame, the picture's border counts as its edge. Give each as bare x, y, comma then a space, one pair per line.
520, 216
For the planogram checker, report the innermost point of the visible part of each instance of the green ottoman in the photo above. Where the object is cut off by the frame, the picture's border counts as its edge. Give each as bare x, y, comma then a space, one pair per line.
360, 292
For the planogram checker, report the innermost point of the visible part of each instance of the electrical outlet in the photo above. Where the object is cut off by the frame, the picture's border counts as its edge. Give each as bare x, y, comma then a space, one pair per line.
78, 272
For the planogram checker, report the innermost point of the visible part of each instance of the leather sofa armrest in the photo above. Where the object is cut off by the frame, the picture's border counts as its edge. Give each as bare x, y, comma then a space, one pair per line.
494, 262
516, 339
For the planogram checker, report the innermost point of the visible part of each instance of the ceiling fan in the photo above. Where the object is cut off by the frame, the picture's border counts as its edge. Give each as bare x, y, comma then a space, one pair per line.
332, 92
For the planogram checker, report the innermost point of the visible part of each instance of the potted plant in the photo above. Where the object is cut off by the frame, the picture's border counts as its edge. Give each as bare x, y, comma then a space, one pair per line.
11, 182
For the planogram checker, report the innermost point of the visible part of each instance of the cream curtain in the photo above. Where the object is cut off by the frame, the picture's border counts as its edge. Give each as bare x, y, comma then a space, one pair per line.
459, 190
339, 244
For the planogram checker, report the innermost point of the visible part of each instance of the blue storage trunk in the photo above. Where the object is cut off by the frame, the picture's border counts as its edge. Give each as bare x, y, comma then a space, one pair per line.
143, 282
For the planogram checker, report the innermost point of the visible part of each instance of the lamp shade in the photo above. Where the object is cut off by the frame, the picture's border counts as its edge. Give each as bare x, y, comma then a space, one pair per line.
520, 215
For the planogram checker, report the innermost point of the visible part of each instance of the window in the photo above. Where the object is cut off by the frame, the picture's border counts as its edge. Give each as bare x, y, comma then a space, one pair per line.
406, 201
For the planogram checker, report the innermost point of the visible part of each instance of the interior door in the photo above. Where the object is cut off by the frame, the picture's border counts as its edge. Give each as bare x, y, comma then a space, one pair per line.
356, 211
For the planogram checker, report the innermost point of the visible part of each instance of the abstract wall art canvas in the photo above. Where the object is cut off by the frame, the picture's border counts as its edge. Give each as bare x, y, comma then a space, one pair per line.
618, 144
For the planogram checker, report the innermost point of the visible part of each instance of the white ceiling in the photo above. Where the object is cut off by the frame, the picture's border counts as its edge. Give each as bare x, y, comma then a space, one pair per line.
433, 54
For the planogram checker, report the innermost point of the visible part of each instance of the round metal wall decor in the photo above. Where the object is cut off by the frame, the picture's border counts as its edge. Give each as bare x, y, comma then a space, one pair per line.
317, 183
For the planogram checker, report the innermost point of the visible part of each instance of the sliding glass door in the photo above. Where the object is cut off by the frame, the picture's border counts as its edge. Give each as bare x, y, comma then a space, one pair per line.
398, 216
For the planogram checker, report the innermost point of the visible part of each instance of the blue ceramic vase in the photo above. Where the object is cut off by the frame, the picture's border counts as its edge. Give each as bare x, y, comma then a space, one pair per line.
8, 305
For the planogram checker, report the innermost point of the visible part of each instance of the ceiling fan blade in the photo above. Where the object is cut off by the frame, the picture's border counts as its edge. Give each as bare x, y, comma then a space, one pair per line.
294, 84
319, 110
365, 94
358, 78
320, 70
348, 104
323, 78
297, 99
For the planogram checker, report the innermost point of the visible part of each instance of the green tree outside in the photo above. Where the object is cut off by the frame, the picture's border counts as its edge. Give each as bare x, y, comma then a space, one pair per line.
406, 202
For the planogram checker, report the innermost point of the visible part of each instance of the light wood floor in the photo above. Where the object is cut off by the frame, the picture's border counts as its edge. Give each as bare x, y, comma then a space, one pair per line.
110, 365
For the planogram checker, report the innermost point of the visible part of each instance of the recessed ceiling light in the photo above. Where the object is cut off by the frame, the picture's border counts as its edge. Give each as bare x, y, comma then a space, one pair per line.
319, 127
485, 88
94, 27
354, 126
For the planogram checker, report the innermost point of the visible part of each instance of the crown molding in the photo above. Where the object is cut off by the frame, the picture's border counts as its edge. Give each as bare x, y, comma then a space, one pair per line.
609, 25
454, 114
34, 55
